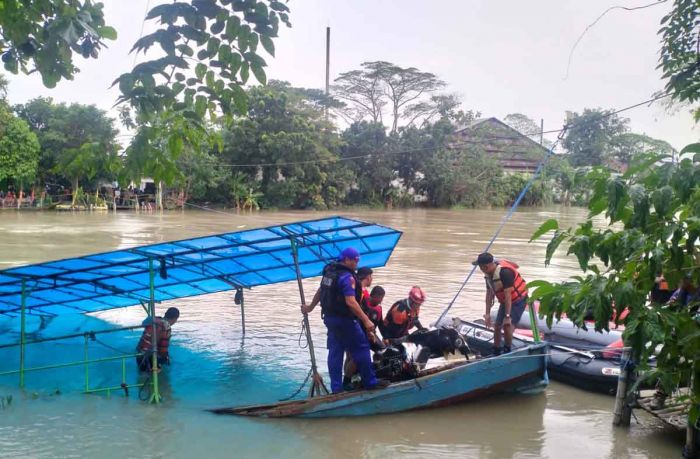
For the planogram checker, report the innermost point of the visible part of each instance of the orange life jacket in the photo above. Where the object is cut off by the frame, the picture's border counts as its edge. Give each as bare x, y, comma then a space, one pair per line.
163, 331
495, 284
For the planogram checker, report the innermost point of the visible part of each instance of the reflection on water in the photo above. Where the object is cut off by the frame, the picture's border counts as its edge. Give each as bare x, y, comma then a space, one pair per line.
214, 365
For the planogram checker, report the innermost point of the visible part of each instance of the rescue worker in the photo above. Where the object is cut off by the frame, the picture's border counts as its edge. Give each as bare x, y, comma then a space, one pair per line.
504, 283
364, 275
163, 327
340, 294
660, 292
403, 315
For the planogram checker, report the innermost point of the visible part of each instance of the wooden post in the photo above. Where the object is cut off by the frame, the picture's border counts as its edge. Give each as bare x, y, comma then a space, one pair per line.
622, 412
690, 449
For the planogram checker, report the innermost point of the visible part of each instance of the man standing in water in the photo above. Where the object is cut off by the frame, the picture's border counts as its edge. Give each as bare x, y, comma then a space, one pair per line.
163, 332
340, 295
503, 282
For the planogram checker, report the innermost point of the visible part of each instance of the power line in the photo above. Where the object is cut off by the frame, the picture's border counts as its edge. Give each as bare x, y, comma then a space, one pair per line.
592, 24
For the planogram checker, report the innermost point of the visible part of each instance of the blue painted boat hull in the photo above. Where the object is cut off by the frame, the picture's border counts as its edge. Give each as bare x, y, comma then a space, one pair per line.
522, 371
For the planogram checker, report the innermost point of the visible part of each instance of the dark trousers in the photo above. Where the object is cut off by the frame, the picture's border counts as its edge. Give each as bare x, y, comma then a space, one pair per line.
345, 334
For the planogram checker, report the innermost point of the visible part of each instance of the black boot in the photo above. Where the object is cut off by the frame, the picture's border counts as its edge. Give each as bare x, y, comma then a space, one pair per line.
496, 351
506, 349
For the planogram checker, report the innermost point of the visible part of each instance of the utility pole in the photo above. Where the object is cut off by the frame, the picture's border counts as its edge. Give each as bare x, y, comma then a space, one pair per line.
541, 131
328, 67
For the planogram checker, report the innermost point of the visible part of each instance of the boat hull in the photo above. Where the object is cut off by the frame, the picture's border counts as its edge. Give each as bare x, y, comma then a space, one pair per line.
565, 364
523, 371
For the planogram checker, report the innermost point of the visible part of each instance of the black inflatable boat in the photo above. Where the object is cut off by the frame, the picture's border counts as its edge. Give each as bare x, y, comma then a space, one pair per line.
580, 368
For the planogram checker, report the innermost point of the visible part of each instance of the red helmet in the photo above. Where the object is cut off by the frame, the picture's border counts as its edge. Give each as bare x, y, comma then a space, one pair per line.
416, 295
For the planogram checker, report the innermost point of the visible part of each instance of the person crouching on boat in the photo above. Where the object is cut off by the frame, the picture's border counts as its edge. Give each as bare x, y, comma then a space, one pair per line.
340, 295
402, 316
163, 333
503, 282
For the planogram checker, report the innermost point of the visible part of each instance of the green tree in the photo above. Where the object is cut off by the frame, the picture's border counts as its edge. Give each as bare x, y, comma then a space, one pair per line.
42, 35
78, 142
590, 138
679, 57
405, 91
285, 133
366, 149
627, 145
19, 149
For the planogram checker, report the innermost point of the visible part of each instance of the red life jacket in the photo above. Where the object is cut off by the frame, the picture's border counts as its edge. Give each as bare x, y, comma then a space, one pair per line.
163, 331
399, 319
373, 313
495, 284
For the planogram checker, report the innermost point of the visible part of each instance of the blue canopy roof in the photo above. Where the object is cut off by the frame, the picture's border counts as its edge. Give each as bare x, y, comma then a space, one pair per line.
191, 267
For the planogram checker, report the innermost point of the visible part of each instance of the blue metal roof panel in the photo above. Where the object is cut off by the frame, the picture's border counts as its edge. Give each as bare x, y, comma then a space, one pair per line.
191, 267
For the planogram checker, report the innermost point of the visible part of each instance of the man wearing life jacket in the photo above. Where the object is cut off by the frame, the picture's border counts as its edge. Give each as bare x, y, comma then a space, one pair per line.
163, 333
504, 283
340, 295
403, 315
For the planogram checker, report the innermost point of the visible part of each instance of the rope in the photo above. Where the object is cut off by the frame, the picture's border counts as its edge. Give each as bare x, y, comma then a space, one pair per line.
298, 390
301, 334
146, 387
110, 347
505, 220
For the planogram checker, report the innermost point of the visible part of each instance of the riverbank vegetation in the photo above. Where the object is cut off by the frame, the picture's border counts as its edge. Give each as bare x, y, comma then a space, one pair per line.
291, 149
193, 123
653, 229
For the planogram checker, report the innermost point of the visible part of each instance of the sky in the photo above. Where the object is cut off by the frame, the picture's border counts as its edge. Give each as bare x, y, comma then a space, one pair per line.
500, 56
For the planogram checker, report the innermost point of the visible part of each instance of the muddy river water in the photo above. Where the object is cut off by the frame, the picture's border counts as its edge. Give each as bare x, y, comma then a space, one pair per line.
214, 365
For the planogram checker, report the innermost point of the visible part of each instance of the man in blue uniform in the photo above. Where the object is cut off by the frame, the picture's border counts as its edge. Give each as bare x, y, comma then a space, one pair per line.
340, 294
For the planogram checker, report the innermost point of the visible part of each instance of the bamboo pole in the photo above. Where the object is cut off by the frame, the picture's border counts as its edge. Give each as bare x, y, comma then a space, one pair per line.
155, 394
87, 365
22, 333
533, 323
242, 310
317, 385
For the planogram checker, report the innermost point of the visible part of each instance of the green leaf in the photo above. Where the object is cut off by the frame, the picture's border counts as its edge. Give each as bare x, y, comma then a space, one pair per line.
692, 148
108, 32
244, 72
259, 73
267, 44
545, 227
200, 70
200, 106
557, 239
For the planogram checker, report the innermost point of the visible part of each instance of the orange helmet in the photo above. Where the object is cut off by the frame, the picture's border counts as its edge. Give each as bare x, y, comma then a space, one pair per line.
416, 295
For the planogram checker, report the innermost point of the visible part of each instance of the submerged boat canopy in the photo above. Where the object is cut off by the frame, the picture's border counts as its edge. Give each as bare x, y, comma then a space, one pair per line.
189, 267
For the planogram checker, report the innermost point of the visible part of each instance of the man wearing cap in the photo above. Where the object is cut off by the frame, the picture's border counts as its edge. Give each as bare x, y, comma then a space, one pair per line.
340, 295
403, 315
504, 283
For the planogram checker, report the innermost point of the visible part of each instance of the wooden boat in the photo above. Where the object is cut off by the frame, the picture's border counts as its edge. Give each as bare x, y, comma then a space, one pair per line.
522, 371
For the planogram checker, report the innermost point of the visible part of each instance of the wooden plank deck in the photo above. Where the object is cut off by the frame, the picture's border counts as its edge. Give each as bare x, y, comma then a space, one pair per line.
674, 412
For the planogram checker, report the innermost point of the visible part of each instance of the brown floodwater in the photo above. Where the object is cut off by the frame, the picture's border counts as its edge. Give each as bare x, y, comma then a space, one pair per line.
218, 367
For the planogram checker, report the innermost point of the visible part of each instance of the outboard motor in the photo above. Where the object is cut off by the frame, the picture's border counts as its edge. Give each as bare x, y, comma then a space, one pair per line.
392, 363
438, 343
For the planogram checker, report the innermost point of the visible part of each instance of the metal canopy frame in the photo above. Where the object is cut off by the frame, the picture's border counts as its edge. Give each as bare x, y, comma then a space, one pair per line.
128, 277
